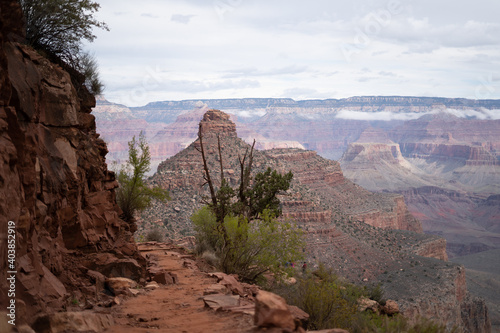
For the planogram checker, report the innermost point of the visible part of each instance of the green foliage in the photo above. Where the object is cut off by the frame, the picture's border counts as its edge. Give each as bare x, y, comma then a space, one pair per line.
330, 302
251, 248
371, 322
133, 194
58, 27
240, 226
377, 293
333, 303
90, 71
262, 194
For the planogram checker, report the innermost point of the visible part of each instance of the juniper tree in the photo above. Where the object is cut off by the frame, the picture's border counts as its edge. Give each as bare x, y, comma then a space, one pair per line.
58, 29
133, 193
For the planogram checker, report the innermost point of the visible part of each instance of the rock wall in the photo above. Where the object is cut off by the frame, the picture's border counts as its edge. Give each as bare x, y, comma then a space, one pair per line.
469, 154
54, 183
326, 177
433, 248
449, 303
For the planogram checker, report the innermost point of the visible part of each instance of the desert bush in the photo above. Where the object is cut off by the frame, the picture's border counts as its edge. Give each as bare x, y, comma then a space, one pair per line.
248, 249
371, 322
210, 258
330, 302
333, 303
88, 67
154, 235
376, 293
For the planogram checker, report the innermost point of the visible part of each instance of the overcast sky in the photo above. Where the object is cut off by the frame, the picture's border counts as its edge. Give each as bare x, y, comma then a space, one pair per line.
197, 49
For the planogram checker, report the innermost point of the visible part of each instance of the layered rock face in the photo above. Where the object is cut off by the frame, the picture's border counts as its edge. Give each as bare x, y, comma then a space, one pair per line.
326, 177
377, 166
54, 183
457, 149
445, 180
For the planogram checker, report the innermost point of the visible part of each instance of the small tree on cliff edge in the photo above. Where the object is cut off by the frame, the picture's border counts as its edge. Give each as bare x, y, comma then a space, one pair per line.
133, 194
240, 226
58, 28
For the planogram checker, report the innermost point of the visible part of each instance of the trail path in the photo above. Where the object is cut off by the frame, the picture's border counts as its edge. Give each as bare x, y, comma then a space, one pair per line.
177, 307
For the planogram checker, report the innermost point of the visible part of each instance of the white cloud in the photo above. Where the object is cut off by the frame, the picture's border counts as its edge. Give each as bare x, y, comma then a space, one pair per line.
483, 114
241, 48
181, 18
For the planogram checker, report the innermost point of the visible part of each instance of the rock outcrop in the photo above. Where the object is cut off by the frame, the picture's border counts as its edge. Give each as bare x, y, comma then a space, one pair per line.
215, 122
54, 183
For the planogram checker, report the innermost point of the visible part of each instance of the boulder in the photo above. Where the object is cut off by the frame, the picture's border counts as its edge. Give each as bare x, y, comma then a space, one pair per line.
152, 285
299, 314
365, 304
73, 322
215, 289
112, 266
230, 283
218, 302
271, 311
119, 285
166, 278
390, 308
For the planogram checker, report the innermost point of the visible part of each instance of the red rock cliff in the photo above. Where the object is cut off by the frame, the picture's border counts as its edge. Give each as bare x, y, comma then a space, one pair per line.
54, 183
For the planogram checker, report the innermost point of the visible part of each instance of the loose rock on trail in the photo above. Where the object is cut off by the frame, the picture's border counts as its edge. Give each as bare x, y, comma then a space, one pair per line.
177, 307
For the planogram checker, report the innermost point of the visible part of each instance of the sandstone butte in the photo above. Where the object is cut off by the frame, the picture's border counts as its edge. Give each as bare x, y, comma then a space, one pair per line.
71, 243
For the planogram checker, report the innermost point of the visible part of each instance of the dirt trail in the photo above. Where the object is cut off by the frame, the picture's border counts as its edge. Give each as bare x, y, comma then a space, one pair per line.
177, 307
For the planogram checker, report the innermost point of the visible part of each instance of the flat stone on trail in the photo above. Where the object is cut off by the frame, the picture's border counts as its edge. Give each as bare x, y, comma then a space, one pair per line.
217, 302
229, 282
215, 289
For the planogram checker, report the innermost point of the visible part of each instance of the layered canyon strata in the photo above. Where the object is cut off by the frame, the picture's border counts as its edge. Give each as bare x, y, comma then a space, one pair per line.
54, 185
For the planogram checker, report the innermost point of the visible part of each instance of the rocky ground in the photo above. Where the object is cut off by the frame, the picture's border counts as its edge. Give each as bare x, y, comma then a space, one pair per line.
195, 300
175, 307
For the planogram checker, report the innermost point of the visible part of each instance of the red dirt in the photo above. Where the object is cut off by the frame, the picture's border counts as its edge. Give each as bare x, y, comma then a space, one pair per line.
177, 307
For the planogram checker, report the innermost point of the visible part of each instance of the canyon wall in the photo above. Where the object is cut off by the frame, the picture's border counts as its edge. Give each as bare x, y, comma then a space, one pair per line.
365, 237
54, 184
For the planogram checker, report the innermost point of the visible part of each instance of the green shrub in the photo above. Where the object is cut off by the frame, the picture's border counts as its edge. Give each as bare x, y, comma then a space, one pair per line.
370, 322
57, 29
133, 194
249, 249
333, 303
330, 302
